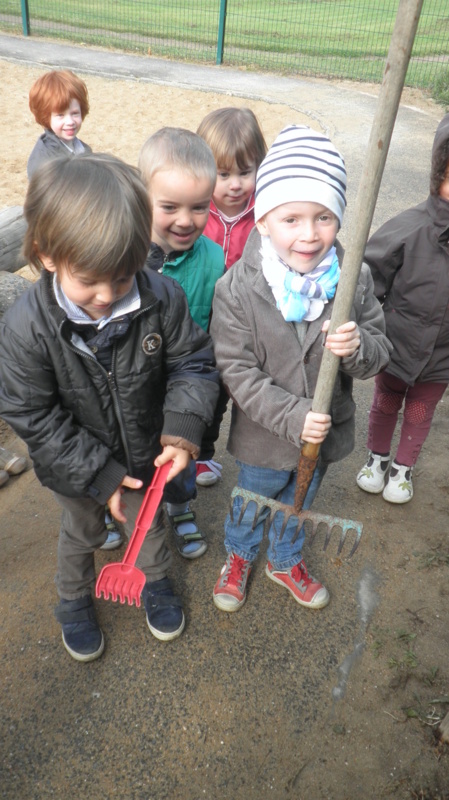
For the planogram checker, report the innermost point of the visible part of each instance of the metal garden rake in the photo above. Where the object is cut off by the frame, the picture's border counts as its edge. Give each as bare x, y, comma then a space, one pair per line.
401, 44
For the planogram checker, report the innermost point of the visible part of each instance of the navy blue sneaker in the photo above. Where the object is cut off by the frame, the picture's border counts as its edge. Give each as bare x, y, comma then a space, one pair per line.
165, 616
81, 633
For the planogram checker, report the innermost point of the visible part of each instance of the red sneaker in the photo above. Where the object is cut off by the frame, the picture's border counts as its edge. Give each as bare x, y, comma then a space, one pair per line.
305, 589
230, 590
208, 472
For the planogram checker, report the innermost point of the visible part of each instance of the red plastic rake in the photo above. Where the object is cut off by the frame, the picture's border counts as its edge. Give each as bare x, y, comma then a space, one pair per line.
123, 580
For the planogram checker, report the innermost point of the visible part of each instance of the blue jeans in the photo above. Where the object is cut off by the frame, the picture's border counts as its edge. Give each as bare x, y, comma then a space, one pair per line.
278, 485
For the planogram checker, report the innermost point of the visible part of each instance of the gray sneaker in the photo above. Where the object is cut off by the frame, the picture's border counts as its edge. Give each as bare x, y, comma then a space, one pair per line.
372, 477
4, 477
11, 462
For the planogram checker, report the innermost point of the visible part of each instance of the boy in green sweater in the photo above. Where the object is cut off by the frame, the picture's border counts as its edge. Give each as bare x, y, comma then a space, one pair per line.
179, 171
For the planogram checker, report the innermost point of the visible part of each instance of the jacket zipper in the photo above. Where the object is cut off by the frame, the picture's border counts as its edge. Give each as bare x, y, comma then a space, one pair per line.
110, 377
117, 408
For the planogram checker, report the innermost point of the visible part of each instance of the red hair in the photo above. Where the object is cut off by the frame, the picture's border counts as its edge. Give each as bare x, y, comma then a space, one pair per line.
53, 93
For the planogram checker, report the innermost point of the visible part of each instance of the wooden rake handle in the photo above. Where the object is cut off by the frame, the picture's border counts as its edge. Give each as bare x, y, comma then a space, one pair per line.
401, 44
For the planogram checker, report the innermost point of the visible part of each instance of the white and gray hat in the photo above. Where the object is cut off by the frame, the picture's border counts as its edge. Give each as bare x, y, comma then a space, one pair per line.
301, 164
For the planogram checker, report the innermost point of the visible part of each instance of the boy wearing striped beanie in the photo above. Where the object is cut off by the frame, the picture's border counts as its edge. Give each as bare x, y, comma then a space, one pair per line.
269, 315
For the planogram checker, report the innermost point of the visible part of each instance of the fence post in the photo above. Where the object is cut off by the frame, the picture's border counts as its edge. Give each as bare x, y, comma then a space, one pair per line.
25, 17
221, 31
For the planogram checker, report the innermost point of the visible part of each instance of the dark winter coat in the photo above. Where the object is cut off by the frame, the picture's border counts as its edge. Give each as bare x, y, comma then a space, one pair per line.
271, 376
49, 146
86, 427
409, 262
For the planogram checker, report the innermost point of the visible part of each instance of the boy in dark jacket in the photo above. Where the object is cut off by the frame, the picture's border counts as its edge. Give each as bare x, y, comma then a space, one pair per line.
104, 374
409, 262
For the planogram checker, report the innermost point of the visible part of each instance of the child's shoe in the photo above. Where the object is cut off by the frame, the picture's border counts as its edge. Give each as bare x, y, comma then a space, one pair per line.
372, 476
190, 541
208, 472
11, 463
230, 590
305, 589
399, 488
165, 617
114, 539
4, 477
81, 633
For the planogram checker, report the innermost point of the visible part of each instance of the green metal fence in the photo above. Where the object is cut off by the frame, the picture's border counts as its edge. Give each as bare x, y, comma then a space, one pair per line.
328, 38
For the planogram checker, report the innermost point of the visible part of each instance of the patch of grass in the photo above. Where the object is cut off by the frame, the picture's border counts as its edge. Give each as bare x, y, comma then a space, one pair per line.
437, 556
430, 677
440, 89
428, 712
338, 38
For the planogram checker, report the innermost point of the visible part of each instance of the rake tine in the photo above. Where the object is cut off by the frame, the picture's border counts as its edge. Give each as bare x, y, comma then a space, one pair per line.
327, 538
358, 535
342, 540
257, 513
255, 518
107, 589
287, 518
114, 591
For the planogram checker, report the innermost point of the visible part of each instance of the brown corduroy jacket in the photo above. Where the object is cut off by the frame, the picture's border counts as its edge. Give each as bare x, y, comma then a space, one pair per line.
271, 376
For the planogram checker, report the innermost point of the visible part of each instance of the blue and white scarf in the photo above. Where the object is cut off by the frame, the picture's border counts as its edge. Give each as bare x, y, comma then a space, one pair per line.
300, 297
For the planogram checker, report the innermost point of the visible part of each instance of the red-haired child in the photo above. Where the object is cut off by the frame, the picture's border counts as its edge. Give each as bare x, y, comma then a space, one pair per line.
59, 102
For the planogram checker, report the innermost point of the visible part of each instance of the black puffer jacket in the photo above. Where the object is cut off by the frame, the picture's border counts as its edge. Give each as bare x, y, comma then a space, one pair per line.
409, 262
86, 428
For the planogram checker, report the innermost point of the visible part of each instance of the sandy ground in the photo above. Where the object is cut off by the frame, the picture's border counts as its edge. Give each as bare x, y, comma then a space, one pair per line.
275, 701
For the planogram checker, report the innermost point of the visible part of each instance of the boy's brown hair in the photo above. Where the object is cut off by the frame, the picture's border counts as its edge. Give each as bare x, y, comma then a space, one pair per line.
90, 214
53, 92
234, 135
176, 148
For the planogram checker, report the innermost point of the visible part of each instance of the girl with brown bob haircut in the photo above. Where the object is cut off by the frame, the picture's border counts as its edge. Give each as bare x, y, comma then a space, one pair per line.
238, 145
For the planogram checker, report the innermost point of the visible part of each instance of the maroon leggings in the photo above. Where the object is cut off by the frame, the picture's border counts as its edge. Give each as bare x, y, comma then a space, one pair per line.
419, 408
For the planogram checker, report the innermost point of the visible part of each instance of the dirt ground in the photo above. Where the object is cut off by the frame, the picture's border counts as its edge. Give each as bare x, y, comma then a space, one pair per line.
272, 702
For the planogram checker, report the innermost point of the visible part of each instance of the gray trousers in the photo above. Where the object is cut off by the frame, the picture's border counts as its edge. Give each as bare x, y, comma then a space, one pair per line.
83, 531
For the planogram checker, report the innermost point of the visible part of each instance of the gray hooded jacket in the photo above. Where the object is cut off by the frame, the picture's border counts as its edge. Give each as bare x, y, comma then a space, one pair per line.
271, 376
409, 262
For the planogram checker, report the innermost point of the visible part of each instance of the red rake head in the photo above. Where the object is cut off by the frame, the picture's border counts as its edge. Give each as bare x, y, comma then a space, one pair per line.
122, 582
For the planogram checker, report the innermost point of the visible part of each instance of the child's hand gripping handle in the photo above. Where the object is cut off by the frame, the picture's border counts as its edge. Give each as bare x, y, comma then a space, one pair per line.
306, 467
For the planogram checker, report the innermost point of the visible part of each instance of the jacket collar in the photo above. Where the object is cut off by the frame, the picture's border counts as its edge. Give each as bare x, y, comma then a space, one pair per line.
249, 208
146, 295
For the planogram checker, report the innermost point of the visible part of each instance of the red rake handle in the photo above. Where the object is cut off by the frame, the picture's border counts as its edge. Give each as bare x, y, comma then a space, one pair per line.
145, 517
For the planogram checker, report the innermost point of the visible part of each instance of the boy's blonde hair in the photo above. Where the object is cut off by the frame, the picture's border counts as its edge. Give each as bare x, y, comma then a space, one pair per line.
103, 228
233, 135
176, 148
53, 92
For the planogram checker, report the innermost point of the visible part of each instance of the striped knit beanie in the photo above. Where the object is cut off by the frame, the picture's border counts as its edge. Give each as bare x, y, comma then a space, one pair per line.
301, 164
